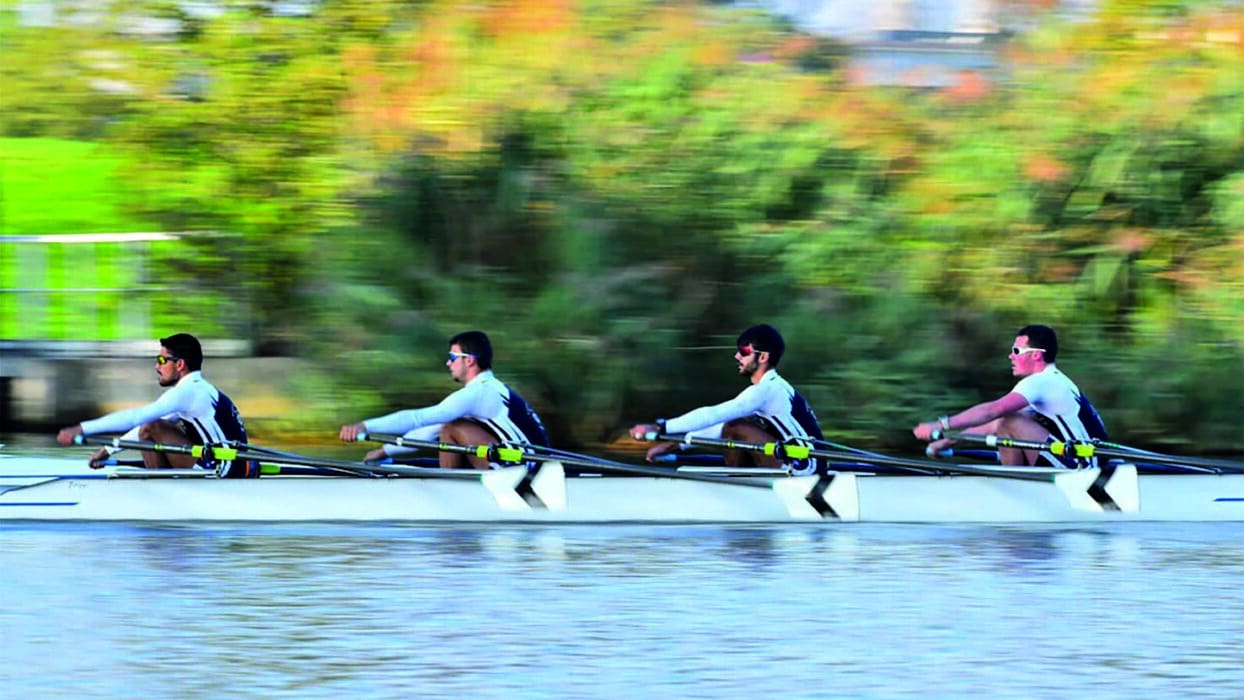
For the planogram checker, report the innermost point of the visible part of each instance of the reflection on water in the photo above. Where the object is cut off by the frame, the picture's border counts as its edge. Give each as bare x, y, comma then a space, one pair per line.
127, 610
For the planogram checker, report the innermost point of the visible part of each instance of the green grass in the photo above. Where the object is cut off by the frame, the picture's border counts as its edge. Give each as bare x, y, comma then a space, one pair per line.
91, 291
57, 186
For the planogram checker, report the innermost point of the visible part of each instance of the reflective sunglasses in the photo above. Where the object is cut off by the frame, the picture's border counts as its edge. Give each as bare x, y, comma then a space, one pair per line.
455, 355
1016, 350
165, 359
747, 351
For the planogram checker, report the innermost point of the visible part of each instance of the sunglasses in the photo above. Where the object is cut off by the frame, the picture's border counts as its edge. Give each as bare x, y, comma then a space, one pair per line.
748, 351
165, 359
1021, 351
453, 356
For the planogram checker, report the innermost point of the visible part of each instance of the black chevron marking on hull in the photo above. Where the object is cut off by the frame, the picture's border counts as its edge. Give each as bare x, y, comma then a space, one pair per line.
816, 497
1097, 491
525, 489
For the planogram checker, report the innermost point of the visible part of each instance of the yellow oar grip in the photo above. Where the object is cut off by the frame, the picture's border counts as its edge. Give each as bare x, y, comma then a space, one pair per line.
509, 454
1075, 449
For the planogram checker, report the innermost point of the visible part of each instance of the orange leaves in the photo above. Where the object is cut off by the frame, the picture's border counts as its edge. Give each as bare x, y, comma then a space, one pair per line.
713, 53
527, 17
969, 86
1045, 169
1131, 241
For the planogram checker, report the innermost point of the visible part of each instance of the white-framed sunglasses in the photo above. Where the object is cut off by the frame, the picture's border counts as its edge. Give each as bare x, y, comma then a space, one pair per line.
1016, 350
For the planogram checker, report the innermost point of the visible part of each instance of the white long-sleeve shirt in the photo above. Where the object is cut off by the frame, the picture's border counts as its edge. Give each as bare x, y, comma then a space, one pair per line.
485, 399
204, 410
206, 414
772, 398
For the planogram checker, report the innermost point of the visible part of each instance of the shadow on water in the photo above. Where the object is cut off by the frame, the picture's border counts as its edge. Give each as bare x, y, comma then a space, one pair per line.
638, 549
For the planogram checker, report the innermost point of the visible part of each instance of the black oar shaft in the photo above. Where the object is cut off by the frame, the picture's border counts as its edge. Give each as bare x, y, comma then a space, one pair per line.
241, 451
528, 453
1091, 448
202, 451
802, 451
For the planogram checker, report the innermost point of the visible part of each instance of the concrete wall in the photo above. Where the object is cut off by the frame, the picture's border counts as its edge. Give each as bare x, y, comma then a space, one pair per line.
38, 394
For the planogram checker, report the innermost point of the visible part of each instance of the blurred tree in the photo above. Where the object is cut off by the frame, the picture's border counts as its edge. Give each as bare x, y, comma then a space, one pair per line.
614, 189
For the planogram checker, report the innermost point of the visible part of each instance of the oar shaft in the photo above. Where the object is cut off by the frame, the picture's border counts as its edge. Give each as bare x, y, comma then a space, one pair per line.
772, 449
201, 451
802, 452
1083, 450
492, 453
1092, 448
519, 454
1113, 450
231, 452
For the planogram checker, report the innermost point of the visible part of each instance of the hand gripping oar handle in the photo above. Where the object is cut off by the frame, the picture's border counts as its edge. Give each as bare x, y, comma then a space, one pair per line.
1092, 448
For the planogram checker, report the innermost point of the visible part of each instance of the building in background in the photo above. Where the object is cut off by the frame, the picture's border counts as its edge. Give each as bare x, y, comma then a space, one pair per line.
921, 43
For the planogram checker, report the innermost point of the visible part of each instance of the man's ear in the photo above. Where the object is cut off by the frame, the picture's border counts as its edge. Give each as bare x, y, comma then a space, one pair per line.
763, 357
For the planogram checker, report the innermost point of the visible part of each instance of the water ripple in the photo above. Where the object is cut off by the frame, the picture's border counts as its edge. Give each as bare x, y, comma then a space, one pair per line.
395, 611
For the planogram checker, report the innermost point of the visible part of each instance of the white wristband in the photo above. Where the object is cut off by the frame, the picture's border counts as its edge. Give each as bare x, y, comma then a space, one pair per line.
945, 421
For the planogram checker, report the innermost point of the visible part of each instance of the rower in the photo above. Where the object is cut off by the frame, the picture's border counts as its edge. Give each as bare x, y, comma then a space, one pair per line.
768, 410
1045, 405
483, 411
192, 411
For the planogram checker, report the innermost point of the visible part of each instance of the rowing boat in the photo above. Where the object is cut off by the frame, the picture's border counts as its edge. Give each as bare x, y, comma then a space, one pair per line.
42, 488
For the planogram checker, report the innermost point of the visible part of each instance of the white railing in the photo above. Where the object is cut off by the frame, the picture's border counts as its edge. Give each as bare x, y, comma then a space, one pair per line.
84, 286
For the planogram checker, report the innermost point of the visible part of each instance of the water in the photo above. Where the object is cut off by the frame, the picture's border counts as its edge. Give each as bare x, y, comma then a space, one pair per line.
129, 610
794, 611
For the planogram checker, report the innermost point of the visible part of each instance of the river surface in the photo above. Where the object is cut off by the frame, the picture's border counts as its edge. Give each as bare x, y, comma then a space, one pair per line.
129, 610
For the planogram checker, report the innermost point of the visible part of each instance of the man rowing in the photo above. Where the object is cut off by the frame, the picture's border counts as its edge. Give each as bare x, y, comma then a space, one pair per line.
1044, 405
192, 411
484, 411
768, 410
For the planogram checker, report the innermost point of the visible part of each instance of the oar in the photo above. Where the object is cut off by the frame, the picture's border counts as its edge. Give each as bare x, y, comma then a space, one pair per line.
1086, 450
555, 452
289, 463
804, 497
265, 468
828, 445
796, 451
517, 455
1118, 490
232, 452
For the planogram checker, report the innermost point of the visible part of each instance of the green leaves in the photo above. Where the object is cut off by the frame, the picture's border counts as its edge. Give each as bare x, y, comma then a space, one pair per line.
616, 188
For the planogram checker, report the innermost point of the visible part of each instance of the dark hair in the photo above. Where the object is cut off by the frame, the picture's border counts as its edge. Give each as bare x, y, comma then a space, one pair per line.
186, 347
476, 344
764, 337
1041, 337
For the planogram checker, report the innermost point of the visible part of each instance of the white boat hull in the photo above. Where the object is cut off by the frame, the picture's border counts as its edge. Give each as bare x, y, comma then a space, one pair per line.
56, 489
